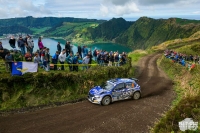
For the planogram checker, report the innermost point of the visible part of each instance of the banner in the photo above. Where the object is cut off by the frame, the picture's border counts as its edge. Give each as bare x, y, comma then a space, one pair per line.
19, 68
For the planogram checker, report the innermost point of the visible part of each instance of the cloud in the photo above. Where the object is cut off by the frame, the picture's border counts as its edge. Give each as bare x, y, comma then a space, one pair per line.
196, 12
22, 8
117, 9
118, 2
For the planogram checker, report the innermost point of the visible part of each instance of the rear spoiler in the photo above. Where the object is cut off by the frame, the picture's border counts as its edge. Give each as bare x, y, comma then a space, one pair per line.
136, 80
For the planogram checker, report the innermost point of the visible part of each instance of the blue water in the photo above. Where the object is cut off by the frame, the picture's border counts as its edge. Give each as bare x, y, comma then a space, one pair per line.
52, 45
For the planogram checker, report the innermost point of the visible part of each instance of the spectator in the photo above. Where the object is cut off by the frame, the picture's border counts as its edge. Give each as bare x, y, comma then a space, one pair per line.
21, 45
85, 51
55, 60
67, 48
43, 54
85, 61
9, 59
69, 60
28, 57
111, 59
90, 57
12, 42
106, 58
59, 48
80, 51
47, 59
116, 59
75, 62
17, 55
95, 54
37, 59
1, 46
62, 58
30, 44
71, 47
40, 44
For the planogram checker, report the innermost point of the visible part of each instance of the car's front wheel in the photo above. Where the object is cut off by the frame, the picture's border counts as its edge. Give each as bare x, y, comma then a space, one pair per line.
106, 100
136, 95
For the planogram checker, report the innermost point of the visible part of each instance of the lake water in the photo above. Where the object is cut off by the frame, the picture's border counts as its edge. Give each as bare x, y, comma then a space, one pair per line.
52, 45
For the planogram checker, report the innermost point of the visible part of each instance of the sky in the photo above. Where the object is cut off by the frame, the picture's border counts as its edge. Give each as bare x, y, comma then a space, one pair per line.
101, 9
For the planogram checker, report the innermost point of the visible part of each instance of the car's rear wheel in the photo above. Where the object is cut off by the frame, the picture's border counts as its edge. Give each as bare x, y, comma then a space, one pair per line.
106, 100
136, 95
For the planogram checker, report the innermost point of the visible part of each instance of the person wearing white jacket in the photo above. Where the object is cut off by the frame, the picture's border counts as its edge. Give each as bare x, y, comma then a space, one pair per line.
62, 58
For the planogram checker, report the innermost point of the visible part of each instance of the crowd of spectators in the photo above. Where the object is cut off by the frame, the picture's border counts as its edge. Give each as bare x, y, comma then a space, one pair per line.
62, 57
182, 58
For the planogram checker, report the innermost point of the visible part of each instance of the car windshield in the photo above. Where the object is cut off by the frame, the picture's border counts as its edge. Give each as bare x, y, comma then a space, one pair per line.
107, 85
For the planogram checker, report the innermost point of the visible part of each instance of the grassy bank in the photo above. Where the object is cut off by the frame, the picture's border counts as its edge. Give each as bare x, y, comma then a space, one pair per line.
186, 86
36, 89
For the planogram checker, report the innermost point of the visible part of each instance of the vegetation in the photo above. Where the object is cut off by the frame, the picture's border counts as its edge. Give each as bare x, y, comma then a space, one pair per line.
43, 22
36, 89
187, 102
147, 32
39, 31
14, 29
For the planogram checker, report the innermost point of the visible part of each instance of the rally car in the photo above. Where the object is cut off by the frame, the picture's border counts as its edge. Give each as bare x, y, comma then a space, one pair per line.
115, 90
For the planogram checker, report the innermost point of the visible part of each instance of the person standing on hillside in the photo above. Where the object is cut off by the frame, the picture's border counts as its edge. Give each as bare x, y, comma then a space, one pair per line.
90, 57
30, 44
85, 51
21, 45
75, 62
1, 46
40, 44
55, 59
67, 48
9, 59
69, 60
62, 58
86, 60
59, 48
95, 54
12, 42
80, 51
47, 59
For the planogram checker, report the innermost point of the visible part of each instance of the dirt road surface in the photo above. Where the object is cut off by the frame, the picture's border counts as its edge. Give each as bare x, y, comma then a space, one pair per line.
130, 116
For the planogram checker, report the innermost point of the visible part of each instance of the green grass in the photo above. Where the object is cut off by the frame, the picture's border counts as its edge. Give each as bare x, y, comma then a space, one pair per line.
135, 56
68, 27
39, 30
54, 87
186, 86
186, 21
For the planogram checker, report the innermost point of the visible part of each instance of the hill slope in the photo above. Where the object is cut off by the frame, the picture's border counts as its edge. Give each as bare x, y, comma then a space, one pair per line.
43, 22
147, 32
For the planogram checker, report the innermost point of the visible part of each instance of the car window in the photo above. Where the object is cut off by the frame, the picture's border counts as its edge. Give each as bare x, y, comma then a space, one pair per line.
120, 86
107, 85
129, 85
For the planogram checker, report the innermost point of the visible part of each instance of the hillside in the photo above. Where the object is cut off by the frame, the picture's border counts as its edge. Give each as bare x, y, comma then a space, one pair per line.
14, 29
43, 22
147, 32
186, 85
66, 28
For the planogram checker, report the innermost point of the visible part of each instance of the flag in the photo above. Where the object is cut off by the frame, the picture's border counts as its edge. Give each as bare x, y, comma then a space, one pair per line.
19, 68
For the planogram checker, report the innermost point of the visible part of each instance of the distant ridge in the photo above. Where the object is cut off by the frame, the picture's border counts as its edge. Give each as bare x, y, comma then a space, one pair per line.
44, 21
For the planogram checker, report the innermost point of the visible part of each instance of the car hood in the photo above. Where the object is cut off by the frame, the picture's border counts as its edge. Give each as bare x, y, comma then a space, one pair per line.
97, 90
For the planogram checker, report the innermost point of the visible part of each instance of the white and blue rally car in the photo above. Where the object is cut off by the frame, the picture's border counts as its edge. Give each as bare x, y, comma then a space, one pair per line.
115, 90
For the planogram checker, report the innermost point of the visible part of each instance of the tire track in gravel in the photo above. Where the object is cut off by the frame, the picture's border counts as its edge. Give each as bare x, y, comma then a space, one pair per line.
130, 116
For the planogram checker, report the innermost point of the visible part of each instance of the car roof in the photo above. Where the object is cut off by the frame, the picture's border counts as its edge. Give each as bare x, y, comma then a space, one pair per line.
122, 80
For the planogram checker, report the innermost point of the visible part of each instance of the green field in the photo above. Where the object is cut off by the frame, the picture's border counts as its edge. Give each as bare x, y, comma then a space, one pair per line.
39, 30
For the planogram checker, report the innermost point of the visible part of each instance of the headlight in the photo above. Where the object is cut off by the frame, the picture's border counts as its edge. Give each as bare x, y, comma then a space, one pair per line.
96, 97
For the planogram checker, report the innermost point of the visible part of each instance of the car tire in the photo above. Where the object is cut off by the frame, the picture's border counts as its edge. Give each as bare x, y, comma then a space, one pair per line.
136, 95
106, 100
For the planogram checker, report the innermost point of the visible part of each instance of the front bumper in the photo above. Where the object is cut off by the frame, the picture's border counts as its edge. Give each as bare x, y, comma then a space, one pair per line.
94, 100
